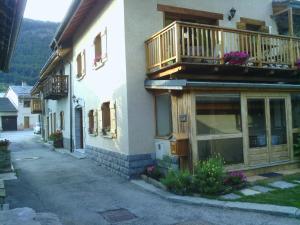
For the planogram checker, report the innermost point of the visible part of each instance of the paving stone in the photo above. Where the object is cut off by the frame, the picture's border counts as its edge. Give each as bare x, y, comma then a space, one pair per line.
282, 184
231, 196
262, 189
249, 192
8, 176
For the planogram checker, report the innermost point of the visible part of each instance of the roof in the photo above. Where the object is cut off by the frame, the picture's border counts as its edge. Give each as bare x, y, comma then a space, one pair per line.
22, 91
185, 84
7, 106
10, 21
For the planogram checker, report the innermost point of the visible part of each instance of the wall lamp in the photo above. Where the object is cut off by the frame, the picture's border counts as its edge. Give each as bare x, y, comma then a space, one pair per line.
231, 13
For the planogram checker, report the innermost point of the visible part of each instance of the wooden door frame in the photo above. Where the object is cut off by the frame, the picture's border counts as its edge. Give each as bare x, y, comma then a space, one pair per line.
267, 97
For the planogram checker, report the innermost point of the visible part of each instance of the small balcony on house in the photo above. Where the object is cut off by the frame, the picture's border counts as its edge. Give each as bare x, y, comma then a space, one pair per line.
197, 51
36, 106
55, 87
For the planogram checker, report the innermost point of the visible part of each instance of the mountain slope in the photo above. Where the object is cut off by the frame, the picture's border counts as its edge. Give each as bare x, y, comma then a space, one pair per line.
32, 51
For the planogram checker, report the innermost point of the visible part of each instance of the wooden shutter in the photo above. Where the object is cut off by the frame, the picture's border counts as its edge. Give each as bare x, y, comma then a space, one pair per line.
95, 122
100, 120
104, 45
241, 26
83, 63
113, 120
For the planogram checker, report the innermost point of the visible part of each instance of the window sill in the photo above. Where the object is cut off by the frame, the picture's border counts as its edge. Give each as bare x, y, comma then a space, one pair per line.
93, 135
107, 136
81, 77
98, 65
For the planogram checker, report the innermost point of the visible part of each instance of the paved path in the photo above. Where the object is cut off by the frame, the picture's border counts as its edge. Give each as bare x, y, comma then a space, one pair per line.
78, 191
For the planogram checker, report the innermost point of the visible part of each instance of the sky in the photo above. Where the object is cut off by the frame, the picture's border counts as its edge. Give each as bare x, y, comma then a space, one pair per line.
47, 10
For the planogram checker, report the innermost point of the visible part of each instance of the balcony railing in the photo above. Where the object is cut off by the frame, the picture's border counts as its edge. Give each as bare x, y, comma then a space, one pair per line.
182, 42
55, 87
36, 106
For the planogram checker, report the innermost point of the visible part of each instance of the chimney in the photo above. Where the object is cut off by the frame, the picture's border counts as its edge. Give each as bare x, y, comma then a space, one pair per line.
24, 83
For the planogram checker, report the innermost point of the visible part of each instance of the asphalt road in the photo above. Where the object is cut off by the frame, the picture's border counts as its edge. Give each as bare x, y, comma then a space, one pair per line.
80, 192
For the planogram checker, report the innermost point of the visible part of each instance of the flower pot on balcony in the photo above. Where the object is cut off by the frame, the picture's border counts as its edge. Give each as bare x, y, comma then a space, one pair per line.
236, 58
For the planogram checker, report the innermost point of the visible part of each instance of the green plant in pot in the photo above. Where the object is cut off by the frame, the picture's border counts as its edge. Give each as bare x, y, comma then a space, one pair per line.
4, 145
57, 139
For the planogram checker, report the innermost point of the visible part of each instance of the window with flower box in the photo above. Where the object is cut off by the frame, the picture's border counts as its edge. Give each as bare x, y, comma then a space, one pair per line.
100, 49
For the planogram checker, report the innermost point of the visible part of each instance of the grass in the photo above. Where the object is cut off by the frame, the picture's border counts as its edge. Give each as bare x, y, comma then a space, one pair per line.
286, 197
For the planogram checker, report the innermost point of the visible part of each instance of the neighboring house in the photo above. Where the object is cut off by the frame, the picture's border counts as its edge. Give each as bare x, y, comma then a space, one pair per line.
10, 21
8, 115
131, 81
21, 98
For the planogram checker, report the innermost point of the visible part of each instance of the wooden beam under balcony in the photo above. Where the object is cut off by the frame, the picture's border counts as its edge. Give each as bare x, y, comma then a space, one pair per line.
199, 49
55, 87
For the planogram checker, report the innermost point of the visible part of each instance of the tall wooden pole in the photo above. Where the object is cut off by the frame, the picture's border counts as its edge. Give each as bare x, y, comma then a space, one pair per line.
291, 22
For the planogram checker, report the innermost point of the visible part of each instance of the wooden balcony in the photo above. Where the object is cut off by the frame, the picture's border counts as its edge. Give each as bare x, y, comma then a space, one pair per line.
36, 106
184, 48
55, 87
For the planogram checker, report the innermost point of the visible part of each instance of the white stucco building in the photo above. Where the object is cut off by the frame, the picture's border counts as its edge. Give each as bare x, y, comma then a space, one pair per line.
94, 86
21, 98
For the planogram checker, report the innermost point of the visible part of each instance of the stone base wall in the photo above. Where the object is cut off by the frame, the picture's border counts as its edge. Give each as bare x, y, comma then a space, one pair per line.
5, 162
128, 166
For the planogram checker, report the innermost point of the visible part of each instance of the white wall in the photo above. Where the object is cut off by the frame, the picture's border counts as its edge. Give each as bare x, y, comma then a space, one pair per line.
107, 83
143, 20
13, 97
25, 112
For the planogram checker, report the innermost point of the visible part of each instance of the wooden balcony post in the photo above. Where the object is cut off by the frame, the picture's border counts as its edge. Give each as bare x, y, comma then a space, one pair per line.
222, 47
160, 49
177, 43
292, 55
259, 54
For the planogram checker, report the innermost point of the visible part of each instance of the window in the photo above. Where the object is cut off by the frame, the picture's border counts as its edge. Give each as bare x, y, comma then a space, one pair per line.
100, 46
252, 25
62, 120
163, 115
26, 104
219, 129
107, 119
80, 64
92, 116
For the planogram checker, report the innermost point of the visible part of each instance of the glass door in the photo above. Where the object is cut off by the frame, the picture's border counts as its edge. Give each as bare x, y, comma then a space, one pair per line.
257, 131
267, 130
278, 130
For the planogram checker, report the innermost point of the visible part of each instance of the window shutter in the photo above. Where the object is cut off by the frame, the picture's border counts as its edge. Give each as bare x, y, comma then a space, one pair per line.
99, 121
95, 122
83, 62
113, 121
241, 26
104, 45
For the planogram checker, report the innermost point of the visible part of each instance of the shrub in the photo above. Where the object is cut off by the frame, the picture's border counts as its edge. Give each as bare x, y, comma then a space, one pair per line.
178, 182
209, 175
236, 179
153, 172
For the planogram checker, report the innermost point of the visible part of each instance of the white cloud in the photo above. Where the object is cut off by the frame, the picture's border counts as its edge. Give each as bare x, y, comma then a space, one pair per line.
47, 10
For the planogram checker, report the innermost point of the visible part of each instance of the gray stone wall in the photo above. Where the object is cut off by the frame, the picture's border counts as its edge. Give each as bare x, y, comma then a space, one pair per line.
128, 166
67, 143
5, 164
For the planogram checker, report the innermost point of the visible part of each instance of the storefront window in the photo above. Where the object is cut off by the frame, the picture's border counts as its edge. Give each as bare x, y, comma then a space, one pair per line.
296, 110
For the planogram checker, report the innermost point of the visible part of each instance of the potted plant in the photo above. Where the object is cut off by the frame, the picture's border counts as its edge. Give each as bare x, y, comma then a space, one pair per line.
4, 145
236, 179
57, 139
236, 58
